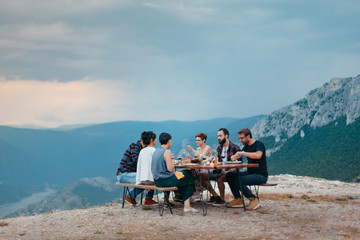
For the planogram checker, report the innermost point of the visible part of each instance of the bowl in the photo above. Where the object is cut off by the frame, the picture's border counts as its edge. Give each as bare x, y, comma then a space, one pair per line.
195, 160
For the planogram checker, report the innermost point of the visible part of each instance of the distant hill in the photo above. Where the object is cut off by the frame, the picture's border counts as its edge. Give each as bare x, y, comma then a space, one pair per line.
85, 192
331, 152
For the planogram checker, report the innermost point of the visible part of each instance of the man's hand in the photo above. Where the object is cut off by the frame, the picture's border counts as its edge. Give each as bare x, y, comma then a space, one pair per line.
236, 156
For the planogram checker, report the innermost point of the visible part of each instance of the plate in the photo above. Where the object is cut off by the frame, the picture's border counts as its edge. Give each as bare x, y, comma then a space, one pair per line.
234, 162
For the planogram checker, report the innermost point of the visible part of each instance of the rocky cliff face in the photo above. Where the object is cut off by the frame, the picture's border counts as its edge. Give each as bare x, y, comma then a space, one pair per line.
339, 97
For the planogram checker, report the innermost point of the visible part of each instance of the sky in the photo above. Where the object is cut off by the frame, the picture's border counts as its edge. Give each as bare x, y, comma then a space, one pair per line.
66, 62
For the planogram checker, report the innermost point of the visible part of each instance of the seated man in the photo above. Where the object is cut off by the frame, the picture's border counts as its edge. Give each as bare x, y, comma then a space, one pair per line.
224, 153
126, 172
255, 152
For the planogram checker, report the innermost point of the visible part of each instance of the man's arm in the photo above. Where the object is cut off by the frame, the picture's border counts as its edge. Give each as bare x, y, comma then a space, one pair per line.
253, 155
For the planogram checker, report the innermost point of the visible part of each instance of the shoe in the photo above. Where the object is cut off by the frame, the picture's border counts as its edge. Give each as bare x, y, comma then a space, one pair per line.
219, 202
149, 201
132, 201
236, 203
212, 199
192, 210
254, 204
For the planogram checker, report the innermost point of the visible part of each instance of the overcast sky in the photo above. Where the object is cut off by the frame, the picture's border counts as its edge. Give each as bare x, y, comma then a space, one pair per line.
93, 61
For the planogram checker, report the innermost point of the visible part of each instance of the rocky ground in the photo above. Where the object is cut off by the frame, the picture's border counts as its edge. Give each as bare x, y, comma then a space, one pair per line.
298, 208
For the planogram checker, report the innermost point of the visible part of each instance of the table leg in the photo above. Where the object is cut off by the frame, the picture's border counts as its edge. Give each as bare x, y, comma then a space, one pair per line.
207, 190
204, 200
241, 191
124, 195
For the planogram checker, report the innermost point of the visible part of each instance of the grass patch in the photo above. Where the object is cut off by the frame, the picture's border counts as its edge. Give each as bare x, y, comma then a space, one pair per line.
146, 208
98, 232
341, 199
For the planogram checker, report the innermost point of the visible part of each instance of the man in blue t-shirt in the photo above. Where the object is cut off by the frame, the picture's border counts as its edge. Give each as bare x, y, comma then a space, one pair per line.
255, 152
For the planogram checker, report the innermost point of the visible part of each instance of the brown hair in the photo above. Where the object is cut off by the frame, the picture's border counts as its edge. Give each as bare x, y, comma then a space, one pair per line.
202, 136
246, 132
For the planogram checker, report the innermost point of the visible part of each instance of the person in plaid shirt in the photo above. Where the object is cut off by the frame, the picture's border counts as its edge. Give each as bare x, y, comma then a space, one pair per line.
126, 172
225, 150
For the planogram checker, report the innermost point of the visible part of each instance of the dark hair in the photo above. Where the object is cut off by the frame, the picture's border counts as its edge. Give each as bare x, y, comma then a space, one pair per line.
226, 132
246, 132
164, 138
147, 137
203, 136
143, 135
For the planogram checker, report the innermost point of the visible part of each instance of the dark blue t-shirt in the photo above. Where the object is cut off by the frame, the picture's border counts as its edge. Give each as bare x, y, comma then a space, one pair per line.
255, 147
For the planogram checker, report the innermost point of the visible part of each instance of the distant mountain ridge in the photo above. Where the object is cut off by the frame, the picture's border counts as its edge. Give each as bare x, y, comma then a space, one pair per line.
318, 135
85, 192
337, 98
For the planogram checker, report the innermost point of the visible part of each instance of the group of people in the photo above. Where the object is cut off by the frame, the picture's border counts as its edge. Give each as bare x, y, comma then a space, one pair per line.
144, 164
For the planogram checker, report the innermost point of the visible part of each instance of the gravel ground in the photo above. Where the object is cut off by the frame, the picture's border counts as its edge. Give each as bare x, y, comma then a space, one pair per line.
298, 208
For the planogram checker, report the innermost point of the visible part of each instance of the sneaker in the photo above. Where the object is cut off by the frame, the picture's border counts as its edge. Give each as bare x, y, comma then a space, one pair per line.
212, 199
192, 210
149, 201
132, 201
254, 204
219, 202
236, 203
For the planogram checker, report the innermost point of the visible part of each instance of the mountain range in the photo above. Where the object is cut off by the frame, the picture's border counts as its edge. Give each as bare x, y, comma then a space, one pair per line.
317, 136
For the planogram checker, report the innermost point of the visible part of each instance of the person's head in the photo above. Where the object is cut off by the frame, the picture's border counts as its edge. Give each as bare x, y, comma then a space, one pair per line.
148, 137
223, 135
200, 138
142, 138
165, 138
245, 136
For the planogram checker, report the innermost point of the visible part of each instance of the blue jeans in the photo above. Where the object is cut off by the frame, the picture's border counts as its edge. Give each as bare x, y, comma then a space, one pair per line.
246, 179
130, 177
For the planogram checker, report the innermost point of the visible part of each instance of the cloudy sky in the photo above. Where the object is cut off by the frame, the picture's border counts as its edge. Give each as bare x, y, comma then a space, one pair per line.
93, 61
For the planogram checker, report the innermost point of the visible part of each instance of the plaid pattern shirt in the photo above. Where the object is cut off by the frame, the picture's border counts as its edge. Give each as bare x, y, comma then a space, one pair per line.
129, 161
230, 151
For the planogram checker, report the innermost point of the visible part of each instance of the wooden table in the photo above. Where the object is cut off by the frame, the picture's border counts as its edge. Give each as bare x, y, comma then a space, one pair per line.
225, 166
